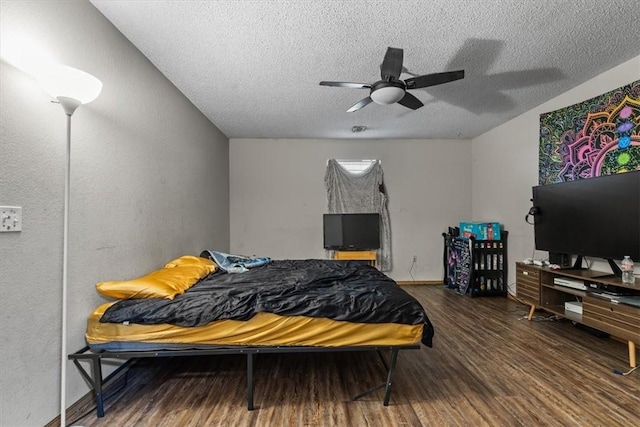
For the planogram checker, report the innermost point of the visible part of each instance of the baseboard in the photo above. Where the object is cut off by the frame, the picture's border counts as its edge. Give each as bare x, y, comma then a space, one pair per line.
87, 403
419, 282
76, 411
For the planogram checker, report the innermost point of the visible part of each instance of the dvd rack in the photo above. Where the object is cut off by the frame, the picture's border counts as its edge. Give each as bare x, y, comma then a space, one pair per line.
488, 266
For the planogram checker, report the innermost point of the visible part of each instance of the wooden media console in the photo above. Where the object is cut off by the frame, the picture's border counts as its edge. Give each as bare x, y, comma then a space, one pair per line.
588, 297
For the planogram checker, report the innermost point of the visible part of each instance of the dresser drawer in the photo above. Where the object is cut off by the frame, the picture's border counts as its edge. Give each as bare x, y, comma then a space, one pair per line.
528, 283
619, 320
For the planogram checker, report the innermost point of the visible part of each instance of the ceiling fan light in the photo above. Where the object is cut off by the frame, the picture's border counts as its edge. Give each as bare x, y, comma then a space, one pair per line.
387, 95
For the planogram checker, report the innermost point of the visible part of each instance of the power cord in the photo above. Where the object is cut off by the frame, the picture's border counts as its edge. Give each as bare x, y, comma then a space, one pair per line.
535, 318
617, 372
512, 291
533, 211
413, 264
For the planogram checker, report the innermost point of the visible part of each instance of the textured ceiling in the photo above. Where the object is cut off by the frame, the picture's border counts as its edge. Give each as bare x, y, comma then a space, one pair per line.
253, 67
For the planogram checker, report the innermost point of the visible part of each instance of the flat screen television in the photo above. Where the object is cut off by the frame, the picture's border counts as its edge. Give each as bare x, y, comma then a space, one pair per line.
351, 231
597, 217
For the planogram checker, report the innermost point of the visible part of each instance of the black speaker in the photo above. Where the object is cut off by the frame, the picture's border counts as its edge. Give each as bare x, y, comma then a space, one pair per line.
563, 260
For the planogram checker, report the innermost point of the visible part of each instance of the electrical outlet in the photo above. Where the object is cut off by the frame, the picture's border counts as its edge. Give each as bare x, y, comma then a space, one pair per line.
10, 219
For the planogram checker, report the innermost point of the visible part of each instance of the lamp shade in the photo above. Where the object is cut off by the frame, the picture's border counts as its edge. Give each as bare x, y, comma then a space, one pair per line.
61, 81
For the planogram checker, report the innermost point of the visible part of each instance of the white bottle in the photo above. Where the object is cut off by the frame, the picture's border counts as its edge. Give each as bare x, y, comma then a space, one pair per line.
627, 270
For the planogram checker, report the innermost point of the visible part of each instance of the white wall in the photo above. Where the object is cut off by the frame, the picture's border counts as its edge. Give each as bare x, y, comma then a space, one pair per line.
505, 163
278, 196
149, 182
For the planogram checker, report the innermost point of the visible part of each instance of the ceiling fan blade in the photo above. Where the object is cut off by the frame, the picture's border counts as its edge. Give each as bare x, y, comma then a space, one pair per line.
347, 84
410, 101
362, 103
433, 79
392, 65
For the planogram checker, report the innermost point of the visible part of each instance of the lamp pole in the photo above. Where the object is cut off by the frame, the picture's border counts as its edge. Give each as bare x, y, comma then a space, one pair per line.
69, 105
65, 275
71, 88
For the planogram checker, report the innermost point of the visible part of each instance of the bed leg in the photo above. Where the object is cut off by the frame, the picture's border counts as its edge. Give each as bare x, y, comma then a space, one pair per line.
387, 385
387, 392
96, 367
250, 381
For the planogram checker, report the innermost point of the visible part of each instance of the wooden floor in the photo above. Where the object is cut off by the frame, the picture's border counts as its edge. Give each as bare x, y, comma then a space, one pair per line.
488, 367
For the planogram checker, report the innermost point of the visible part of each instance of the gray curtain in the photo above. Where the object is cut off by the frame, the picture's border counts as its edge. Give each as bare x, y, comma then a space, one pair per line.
361, 193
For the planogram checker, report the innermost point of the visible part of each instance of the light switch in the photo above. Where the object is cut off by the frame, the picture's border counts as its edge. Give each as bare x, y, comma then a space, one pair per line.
10, 219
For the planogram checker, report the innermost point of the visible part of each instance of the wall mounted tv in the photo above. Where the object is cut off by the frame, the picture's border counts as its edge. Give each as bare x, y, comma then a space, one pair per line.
351, 231
597, 217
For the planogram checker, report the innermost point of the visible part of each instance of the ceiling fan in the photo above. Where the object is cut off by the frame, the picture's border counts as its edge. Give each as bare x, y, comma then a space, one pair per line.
391, 89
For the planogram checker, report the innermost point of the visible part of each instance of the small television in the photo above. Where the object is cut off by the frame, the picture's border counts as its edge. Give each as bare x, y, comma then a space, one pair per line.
351, 231
597, 217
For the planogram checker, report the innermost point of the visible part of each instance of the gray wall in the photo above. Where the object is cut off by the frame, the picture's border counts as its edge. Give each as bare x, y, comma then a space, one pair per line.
278, 196
505, 164
149, 182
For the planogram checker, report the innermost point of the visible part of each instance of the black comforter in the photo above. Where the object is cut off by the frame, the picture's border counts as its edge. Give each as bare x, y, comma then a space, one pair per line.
338, 290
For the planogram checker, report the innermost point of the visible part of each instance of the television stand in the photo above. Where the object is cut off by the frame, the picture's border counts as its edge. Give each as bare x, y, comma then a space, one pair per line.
368, 256
614, 267
592, 298
617, 272
578, 264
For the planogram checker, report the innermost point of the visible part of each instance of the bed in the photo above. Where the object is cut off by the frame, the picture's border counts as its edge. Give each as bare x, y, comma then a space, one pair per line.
279, 306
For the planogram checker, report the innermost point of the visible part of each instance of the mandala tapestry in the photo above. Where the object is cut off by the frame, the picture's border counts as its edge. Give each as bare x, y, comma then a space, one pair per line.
600, 136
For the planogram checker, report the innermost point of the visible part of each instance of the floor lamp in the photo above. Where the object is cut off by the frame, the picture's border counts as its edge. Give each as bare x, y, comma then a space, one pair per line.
71, 88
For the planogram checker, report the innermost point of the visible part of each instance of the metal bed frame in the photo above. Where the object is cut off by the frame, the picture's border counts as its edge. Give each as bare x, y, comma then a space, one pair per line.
97, 382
